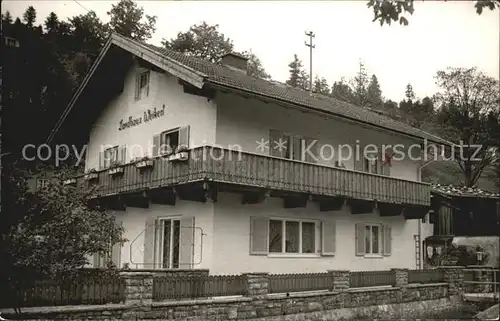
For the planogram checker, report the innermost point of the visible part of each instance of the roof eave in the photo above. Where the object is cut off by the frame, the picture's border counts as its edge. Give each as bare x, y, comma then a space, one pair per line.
225, 86
181, 71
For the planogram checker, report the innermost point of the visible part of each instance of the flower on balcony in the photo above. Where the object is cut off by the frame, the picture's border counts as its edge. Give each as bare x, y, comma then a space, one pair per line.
115, 168
91, 174
144, 162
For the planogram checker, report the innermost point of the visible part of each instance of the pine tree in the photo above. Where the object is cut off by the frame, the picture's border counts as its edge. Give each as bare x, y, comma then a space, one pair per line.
360, 84
321, 86
409, 94
342, 91
374, 93
7, 17
52, 23
29, 17
295, 72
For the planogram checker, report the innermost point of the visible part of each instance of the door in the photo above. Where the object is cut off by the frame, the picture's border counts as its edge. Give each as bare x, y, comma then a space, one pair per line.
168, 253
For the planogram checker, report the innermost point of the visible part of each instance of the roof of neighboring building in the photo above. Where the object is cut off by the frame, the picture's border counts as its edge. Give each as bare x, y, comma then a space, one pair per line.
222, 76
463, 191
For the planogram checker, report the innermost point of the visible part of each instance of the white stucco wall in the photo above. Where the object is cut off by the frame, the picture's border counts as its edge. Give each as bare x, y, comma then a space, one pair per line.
231, 242
244, 121
134, 221
180, 109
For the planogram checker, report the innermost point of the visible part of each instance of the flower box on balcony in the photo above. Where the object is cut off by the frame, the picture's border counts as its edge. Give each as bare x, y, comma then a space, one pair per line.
178, 157
115, 171
91, 176
70, 181
146, 163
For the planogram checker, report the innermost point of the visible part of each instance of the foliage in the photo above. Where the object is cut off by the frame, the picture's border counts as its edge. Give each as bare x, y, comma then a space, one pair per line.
29, 17
342, 91
387, 11
468, 113
254, 67
359, 85
49, 233
374, 93
321, 86
203, 41
127, 19
298, 76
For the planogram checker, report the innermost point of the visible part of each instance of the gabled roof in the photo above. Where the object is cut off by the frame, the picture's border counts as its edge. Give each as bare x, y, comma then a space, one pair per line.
463, 191
200, 72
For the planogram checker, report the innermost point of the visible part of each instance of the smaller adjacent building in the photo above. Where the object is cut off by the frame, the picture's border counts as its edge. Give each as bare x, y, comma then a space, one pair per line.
463, 216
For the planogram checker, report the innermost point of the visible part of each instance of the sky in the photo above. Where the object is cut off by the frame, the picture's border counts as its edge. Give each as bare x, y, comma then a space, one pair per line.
439, 35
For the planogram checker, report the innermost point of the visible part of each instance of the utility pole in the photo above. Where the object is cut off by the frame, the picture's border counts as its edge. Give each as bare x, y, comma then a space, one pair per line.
311, 35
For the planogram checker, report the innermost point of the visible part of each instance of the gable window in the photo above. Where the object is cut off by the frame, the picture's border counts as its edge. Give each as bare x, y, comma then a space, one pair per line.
171, 141
142, 85
110, 156
275, 236
291, 146
373, 239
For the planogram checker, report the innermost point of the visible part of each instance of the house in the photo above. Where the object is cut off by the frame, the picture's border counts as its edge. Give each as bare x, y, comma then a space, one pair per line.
463, 216
207, 167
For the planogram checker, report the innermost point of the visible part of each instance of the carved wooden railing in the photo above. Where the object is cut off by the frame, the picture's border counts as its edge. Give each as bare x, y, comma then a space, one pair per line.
234, 167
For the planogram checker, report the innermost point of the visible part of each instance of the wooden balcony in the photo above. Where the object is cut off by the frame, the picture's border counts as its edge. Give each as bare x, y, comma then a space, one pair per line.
231, 167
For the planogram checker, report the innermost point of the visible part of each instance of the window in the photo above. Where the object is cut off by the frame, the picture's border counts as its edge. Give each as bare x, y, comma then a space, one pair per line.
41, 183
290, 236
292, 146
372, 239
371, 164
142, 85
110, 156
168, 236
171, 141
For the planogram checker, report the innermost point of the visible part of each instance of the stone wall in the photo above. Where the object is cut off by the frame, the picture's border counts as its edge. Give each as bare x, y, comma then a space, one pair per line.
258, 303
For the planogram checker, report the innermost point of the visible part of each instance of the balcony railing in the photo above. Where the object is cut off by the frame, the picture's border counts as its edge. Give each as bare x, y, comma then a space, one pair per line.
234, 167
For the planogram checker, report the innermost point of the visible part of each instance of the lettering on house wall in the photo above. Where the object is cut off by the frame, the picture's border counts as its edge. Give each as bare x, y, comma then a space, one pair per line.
149, 115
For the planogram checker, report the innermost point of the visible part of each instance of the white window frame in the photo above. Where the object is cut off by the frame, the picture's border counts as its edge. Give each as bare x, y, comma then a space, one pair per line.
107, 161
41, 182
369, 252
317, 238
165, 147
139, 89
159, 241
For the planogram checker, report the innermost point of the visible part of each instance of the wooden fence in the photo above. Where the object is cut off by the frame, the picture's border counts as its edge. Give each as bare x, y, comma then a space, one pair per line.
82, 290
371, 278
283, 283
425, 276
187, 287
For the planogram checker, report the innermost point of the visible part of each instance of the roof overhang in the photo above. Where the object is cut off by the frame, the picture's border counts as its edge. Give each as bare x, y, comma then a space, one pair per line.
169, 65
221, 86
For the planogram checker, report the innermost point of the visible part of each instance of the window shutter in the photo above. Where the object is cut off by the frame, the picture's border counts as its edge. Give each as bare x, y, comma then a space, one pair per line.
359, 159
274, 138
328, 238
386, 168
150, 242
149, 81
360, 239
122, 154
101, 160
156, 145
96, 260
387, 240
314, 150
186, 246
259, 235
137, 87
183, 138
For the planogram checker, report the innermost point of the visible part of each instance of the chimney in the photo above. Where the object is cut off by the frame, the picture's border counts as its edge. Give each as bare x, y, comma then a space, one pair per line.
235, 61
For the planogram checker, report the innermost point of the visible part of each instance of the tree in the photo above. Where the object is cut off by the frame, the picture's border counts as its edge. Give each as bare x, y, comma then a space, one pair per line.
321, 86
128, 19
7, 17
52, 23
29, 17
254, 67
387, 11
374, 93
409, 94
360, 85
468, 113
51, 233
342, 91
203, 41
296, 73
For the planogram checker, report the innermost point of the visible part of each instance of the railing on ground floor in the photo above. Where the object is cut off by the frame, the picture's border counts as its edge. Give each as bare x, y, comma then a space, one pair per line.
279, 283
371, 278
481, 280
425, 276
